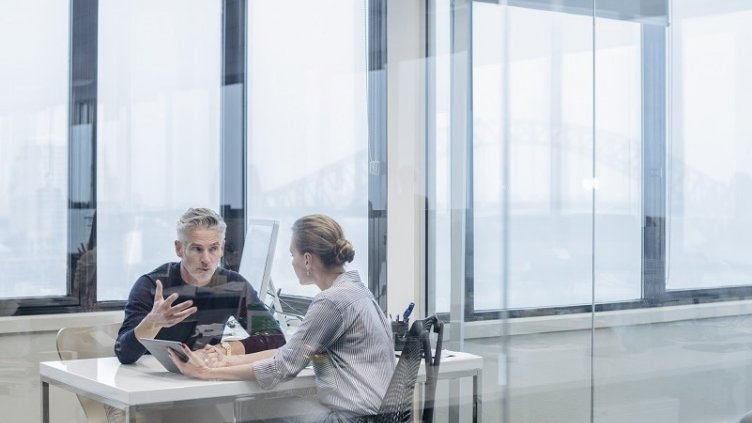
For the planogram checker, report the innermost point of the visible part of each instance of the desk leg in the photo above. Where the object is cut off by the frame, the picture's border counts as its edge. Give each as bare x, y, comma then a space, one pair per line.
130, 415
45, 402
477, 402
419, 401
454, 400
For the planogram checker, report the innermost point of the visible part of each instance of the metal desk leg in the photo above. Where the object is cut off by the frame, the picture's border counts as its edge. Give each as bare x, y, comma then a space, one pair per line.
477, 402
130, 415
454, 400
45, 402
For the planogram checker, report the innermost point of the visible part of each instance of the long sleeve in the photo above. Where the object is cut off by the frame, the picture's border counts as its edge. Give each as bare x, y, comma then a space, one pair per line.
264, 331
348, 339
321, 325
140, 301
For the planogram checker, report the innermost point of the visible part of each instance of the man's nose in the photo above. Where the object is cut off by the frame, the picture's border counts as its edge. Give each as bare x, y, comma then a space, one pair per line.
205, 257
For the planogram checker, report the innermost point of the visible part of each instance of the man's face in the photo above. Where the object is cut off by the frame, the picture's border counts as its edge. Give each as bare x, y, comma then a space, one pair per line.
199, 255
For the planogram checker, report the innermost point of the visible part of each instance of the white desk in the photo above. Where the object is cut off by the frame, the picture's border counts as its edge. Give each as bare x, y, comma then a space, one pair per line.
146, 383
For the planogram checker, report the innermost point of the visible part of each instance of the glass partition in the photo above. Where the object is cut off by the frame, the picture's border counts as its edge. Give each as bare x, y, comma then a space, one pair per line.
158, 131
709, 163
586, 177
308, 122
33, 149
603, 253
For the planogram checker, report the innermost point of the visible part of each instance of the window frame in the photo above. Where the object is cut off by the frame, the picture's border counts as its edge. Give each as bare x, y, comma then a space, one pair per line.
83, 38
654, 18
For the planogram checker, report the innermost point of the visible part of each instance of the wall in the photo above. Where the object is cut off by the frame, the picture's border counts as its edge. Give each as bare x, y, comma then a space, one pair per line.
25, 341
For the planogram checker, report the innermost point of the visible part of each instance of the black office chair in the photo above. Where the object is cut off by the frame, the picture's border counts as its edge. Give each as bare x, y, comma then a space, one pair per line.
397, 406
432, 366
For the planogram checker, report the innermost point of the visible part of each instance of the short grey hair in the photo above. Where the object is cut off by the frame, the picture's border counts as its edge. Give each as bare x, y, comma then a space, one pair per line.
200, 218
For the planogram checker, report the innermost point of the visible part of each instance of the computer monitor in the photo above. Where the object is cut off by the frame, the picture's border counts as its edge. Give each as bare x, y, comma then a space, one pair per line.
258, 254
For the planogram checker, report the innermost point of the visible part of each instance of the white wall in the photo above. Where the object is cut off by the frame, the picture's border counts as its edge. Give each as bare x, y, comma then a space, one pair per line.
25, 341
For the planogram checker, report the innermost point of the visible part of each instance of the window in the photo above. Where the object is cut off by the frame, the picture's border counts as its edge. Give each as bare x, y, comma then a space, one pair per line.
308, 121
157, 128
556, 169
34, 149
709, 154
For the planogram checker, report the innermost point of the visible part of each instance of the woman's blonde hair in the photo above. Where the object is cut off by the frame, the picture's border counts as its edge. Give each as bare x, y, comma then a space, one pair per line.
321, 235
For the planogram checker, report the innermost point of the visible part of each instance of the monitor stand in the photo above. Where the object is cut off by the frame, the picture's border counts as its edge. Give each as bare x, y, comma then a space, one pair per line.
276, 305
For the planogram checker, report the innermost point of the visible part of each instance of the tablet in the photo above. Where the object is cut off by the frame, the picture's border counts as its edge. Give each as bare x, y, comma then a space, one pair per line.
158, 348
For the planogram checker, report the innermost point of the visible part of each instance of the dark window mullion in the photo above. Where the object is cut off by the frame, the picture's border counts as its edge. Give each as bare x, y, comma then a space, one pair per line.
377, 149
653, 48
82, 152
233, 168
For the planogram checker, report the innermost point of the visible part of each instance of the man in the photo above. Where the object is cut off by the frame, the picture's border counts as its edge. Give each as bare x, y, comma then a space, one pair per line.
155, 311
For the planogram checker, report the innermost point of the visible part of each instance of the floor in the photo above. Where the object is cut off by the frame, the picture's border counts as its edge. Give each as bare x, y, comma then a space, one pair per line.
697, 371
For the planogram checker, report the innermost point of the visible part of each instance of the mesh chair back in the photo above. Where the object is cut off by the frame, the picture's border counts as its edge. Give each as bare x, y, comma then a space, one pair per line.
432, 365
397, 406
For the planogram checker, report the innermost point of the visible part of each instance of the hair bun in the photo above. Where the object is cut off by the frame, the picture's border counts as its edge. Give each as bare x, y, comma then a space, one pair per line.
344, 251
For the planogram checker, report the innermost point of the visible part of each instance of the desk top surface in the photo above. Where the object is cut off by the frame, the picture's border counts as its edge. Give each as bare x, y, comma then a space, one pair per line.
147, 382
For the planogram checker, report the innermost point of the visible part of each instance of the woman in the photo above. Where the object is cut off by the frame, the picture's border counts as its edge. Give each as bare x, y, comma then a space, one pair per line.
344, 334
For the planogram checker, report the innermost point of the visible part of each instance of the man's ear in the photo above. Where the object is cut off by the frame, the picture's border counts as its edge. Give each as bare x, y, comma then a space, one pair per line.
179, 248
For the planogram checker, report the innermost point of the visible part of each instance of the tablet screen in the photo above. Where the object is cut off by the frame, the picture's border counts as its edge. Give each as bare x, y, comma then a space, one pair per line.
158, 348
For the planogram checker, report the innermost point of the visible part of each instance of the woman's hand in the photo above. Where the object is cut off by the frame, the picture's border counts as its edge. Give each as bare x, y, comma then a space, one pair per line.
197, 368
212, 356
194, 367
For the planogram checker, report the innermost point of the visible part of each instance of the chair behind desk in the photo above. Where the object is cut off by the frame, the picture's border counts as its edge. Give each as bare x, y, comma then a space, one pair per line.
397, 406
432, 365
88, 342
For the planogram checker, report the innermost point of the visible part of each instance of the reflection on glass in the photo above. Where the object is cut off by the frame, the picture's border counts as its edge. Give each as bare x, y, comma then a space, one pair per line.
33, 148
617, 243
307, 121
549, 102
709, 153
438, 164
157, 129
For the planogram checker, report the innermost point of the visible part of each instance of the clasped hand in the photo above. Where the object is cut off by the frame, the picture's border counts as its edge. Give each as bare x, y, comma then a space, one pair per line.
199, 363
212, 356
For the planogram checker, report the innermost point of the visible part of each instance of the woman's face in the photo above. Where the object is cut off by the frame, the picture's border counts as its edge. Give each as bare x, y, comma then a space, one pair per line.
298, 264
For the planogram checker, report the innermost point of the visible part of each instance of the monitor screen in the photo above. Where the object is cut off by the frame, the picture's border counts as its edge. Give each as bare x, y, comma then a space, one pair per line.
258, 254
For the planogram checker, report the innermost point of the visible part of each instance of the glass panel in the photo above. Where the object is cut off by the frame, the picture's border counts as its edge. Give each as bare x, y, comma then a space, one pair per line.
548, 96
33, 148
157, 128
618, 155
438, 161
689, 362
550, 160
487, 165
307, 120
710, 156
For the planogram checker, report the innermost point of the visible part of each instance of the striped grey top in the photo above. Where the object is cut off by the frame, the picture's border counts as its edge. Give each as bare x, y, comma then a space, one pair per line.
349, 340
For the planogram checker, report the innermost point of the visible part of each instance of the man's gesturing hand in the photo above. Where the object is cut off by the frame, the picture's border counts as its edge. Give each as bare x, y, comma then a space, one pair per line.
163, 314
